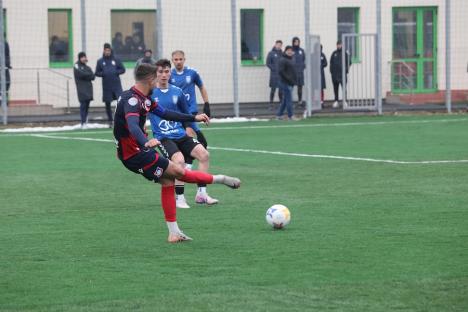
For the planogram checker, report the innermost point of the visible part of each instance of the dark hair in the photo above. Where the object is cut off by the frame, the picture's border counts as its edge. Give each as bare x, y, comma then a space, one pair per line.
107, 46
279, 41
144, 71
163, 63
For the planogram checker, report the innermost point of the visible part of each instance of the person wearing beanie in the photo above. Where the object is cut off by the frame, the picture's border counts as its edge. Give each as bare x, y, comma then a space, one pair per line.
287, 79
84, 76
299, 61
273, 58
109, 68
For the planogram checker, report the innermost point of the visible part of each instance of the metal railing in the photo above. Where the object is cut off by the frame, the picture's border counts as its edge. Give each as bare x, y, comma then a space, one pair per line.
59, 82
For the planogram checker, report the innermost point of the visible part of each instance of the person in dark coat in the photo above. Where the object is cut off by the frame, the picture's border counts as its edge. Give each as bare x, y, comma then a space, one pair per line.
272, 62
287, 79
299, 60
84, 87
7, 70
323, 64
336, 70
109, 68
147, 58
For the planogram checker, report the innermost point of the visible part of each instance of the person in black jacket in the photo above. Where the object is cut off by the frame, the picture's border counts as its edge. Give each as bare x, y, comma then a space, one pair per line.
287, 80
336, 70
7, 70
83, 78
299, 61
272, 62
110, 68
323, 64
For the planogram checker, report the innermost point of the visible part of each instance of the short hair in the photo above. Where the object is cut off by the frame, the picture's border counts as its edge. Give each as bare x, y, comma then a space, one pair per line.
279, 41
178, 52
144, 71
163, 63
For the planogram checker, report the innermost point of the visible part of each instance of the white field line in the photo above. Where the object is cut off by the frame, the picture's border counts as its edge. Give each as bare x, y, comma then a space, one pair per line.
343, 124
388, 161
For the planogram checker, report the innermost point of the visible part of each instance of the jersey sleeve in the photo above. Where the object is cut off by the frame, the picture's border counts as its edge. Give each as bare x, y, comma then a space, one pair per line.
197, 79
131, 106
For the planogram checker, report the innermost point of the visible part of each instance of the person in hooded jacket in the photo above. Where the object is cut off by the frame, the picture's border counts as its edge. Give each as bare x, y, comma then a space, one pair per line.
299, 61
109, 68
336, 70
272, 63
84, 76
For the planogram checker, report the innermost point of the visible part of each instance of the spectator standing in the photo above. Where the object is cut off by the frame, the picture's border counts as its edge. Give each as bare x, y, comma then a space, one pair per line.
323, 64
336, 70
272, 62
83, 79
299, 61
287, 79
147, 58
117, 44
109, 68
7, 70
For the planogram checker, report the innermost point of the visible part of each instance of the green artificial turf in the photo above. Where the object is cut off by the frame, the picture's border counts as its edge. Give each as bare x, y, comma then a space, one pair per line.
78, 232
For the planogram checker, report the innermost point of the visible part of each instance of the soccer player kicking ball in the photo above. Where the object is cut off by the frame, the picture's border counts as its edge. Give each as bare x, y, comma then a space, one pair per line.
137, 153
176, 144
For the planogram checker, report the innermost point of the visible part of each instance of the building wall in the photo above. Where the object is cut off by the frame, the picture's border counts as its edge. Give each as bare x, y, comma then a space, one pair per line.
203, 30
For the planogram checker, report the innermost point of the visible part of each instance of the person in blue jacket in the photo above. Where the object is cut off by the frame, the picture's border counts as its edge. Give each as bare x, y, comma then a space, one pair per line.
109, 68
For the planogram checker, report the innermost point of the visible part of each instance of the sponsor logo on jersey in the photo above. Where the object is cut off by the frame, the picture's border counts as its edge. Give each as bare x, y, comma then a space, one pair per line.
133, 101
158, 172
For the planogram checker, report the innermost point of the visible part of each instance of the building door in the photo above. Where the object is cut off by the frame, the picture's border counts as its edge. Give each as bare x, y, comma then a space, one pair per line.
414, 63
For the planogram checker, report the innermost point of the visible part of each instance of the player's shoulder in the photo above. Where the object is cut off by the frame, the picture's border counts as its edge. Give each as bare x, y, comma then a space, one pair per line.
191, 69
175, 89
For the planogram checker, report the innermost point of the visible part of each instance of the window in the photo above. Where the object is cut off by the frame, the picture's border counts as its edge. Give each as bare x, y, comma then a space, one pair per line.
252, 37
348, 23
133, 31
60, 38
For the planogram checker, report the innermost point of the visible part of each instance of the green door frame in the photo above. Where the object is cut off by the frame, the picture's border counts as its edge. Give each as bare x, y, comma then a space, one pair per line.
421, 60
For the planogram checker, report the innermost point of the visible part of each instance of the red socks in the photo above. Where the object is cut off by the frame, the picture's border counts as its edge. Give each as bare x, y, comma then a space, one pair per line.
168, 203
193, 176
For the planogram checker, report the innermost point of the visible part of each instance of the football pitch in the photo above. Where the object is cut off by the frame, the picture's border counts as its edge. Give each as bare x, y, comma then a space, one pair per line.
379, 210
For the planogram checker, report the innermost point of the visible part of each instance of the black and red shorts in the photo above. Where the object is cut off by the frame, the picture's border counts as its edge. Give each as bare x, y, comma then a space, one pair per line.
148, 163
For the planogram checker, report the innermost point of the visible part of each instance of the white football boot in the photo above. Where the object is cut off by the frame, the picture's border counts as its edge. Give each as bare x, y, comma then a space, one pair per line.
204, 198
178, 237
181, 202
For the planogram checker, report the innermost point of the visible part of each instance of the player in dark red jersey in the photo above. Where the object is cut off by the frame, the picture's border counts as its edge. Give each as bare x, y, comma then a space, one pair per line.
137, 152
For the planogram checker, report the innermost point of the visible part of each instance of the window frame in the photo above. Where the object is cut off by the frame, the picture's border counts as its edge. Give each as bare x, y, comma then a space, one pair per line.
261, 60
69, 63
131, 64
357, 15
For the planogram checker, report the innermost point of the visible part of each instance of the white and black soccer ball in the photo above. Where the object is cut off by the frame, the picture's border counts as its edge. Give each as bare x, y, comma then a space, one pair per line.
278, 216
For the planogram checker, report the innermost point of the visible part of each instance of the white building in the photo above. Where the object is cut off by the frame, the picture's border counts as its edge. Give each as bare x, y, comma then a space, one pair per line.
413, 42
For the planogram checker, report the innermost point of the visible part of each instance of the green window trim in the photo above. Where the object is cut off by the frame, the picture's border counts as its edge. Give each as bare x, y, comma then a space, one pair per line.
69, 63
420, 46
130, 64
261, 60
357, 13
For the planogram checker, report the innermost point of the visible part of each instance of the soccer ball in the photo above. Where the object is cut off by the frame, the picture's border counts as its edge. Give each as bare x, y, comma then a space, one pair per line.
278, 216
